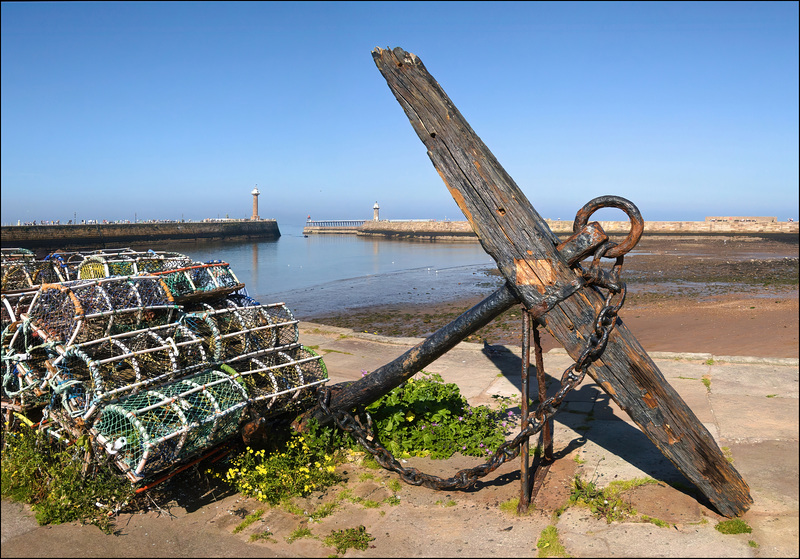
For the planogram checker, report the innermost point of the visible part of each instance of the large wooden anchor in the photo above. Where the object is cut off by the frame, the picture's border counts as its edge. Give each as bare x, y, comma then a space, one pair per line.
542, 274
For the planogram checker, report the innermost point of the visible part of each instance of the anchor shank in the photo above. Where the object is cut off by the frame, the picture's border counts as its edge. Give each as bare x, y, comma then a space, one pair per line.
522, 244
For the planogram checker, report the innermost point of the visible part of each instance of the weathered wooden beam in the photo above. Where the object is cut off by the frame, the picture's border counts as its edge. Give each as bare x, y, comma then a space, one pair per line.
524, 247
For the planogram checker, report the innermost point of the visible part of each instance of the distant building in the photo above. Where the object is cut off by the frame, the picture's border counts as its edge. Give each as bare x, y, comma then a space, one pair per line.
255, 194
743, 219
375, 209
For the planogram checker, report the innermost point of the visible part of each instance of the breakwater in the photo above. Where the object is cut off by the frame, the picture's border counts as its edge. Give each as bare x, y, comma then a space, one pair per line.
462, 231
108, 235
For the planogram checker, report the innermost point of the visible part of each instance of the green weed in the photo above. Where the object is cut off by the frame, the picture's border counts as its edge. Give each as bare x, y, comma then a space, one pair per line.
248, 520
41, 472
299, 533
549, 544
733, 526
342, 540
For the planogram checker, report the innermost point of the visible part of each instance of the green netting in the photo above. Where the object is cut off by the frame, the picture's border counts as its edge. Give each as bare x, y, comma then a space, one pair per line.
150, 431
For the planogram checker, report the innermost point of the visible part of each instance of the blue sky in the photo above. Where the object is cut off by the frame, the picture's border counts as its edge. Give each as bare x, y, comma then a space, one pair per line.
177, 110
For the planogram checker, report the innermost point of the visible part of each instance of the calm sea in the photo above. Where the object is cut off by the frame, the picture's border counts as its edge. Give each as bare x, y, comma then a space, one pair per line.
321, 274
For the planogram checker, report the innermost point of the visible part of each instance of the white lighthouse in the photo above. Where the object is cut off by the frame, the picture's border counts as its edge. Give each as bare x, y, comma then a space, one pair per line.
375, 210
255, 194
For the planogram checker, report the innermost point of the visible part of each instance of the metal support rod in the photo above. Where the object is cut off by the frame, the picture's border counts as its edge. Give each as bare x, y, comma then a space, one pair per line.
546, 434
547, 430
525, 487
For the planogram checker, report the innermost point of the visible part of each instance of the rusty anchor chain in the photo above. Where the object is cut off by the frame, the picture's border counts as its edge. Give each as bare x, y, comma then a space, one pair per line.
572, 376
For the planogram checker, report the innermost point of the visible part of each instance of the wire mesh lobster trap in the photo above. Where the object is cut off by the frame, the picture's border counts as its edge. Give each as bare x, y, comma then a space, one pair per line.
279, 379
232, 331
23, 271
150, 431
90, 374
201, 281
83, 310
127, 262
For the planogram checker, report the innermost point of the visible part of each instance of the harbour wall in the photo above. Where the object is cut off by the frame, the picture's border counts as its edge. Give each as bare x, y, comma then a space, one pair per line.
462, 231
108, 235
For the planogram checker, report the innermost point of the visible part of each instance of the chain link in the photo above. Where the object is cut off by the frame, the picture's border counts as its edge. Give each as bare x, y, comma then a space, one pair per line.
572, 377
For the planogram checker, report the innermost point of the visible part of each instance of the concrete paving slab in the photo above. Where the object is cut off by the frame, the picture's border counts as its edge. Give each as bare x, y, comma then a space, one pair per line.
755, 418
754, 380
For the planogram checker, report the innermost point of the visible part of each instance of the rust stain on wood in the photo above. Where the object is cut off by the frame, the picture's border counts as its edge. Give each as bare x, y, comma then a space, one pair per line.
535, 272
649, 400
672, 438
459, 198
608, 388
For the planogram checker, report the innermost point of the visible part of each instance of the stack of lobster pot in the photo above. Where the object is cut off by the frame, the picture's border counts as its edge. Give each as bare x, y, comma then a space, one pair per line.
155, 358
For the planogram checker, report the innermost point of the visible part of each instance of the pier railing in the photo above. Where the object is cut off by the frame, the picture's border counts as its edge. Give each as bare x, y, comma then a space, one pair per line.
337, 223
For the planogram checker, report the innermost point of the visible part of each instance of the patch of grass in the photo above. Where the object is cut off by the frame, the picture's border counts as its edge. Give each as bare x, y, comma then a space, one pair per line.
733, 526
266, 536
248, 520
366, 476
448, 503
342, 540
707, 381
327, 351
656, 521
511, 506
726, 452
322, 511
689, 378
578, 460
394, 500
606, 503
299, 533
395, 486
549, 544
772, 395
291, 508
709, 361
752, 543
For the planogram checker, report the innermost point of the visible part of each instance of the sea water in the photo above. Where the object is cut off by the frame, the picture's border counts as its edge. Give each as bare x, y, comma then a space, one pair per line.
320, 274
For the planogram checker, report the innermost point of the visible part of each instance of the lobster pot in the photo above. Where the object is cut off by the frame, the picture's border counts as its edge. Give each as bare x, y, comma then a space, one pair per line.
25, 367
277, 380
109, 368
12, 305
252, 314
151, 431
151, 262
78, 311
128, 263
201, 280
16, 275
235, 331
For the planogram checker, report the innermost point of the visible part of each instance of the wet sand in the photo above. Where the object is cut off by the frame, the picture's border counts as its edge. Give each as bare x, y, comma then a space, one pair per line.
725, 295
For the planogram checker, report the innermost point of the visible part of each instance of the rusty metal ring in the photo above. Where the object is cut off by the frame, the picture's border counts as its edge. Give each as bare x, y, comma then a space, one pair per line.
637, 223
